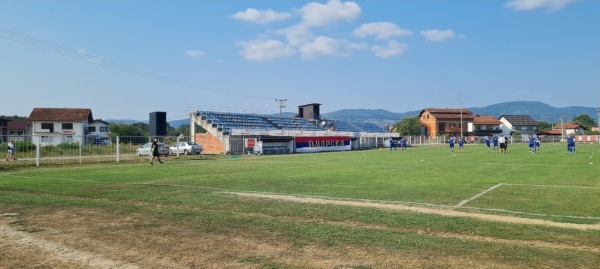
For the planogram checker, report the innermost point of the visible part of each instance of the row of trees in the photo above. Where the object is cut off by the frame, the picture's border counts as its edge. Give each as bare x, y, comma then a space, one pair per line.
143, 129
411, 125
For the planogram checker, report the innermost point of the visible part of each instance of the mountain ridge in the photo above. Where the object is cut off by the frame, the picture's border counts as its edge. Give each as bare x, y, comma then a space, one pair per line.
538, 110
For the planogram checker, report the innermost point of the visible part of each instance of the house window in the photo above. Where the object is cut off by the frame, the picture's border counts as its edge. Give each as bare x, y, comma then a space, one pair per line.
67, 126
48, 126
104, 129
92, 129
67, 139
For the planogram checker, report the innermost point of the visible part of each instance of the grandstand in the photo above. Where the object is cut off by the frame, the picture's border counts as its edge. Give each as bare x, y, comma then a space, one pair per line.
245, 133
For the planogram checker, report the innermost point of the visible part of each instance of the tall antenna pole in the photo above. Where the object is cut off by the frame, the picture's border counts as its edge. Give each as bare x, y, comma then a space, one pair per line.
281, 106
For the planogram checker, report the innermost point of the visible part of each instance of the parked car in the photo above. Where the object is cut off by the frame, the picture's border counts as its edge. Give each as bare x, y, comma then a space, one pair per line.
145, 149
187, 148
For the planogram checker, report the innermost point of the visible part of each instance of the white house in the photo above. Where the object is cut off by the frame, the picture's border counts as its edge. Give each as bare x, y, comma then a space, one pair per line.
523, 124
53, 126
98, 132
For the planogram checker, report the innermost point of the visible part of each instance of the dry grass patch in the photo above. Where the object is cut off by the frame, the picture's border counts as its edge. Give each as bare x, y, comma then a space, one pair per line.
102, 239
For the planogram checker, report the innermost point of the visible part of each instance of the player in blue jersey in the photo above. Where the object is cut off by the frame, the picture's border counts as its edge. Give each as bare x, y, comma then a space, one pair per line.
392, 144
487, 143
461, 143
495, 140
536, 144
403, 144
570, 142
531, 144
451, 142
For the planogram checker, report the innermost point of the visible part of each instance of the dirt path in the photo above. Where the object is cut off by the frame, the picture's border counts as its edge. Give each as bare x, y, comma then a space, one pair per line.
424, 210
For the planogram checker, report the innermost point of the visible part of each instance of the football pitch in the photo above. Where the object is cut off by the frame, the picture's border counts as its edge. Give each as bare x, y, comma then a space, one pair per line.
423, 208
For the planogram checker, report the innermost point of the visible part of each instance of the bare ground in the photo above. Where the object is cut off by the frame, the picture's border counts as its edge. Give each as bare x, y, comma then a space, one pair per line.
94, 238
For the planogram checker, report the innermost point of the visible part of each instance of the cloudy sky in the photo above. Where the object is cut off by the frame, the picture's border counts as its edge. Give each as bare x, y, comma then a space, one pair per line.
125, 59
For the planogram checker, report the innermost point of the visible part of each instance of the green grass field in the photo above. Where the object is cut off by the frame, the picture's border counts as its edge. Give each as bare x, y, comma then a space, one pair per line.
423, 208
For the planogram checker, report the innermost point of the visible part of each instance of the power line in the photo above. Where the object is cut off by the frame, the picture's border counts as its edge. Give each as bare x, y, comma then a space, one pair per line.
40, 44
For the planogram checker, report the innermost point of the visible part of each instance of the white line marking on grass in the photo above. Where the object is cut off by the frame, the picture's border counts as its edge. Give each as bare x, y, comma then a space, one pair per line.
552, 186
531, 214
478, 195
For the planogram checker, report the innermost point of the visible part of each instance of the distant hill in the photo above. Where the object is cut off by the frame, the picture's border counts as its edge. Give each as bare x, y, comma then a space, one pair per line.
537, 110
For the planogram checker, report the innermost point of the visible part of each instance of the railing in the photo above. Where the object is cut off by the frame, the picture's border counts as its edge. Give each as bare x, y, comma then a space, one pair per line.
43, 150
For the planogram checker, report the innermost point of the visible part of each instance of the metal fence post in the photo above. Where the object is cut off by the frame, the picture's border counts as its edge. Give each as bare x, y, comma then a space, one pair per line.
118, 153
37, 151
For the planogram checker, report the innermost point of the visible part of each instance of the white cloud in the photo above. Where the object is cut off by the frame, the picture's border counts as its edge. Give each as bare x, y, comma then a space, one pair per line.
381, 30
261, 16
317, 14
193, 54
438, 35
550, 5
394, 48
323, 45
297, 34
81, 51
264, 50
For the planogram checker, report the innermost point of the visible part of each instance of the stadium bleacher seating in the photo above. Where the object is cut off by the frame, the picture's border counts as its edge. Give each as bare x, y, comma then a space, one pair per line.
226, 121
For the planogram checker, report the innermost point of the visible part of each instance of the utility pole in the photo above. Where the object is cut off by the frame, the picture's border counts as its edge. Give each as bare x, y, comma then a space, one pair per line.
562, 128
599, 119
281, 106
461, 121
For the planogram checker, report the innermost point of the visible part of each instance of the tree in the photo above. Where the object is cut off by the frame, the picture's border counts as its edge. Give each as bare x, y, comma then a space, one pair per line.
135, 129
585, 121
184, 129
545, 126
408, 126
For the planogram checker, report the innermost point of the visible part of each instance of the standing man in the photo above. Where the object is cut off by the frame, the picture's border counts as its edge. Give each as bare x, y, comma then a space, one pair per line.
570, 144
536, 142
392, 144
531, 144
487, 143
403, 143
11, 151
502, 142
451, 142
154, 152
461, 143
495, 143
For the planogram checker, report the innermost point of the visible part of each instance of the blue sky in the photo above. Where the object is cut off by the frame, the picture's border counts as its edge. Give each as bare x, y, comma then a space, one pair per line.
125, 59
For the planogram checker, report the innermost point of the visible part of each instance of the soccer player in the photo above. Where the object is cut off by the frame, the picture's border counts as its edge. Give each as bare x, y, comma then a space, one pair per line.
531, 144
502, 142
487, 143
451, 142
461, 142
392, 144
570, 144
495, 139
536, 142
403, 143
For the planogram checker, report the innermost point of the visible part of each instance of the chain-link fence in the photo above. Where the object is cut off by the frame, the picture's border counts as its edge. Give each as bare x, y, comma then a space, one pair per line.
45, 150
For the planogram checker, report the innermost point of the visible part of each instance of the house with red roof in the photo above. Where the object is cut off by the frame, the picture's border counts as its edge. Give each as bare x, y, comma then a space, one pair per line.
53, 126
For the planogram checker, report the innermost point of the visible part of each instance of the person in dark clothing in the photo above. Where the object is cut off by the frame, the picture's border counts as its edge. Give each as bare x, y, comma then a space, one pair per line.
154, 152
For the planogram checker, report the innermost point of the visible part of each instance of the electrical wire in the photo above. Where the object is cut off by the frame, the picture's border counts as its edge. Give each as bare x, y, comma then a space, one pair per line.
40, 44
